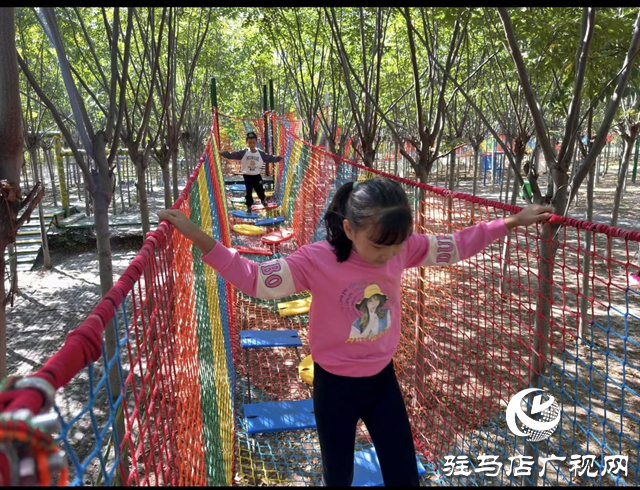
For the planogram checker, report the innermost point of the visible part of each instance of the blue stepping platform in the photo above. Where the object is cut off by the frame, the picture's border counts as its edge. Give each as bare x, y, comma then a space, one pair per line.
237, 188
269, 338
366, 471
262, 418
276, 416
270, 221
243, 214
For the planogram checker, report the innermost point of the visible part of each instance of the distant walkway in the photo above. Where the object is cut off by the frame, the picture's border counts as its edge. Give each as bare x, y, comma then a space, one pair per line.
128, 221
81, 220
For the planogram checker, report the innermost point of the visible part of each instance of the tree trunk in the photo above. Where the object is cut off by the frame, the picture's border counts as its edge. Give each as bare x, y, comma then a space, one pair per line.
79, 179
507, 184
421, 336
369, 156
395, 158
544, 312
476, 161
33, 152
69, 181
62, 182
423, 174
515, 190
25, 174
174, 169
120, 176
622, 177
11, 159
3, 316
167, 188
505, 256
54, 190
606, 160
128, 172
585, 315
88, 199
542, 327
451, 183
501, 177
144, 200
452, 171
113, 204
101, 198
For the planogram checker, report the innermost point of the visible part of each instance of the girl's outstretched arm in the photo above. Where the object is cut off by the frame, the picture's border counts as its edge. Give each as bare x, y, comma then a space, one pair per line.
430, 250
268, 280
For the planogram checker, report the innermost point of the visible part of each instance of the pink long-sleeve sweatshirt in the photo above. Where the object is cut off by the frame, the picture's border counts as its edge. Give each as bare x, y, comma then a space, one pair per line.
354, 320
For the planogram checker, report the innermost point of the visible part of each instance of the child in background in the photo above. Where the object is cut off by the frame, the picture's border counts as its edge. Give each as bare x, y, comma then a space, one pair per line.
370, 242
252, 161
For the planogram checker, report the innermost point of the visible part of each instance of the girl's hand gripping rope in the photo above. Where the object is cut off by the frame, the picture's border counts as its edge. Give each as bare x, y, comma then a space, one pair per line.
533, 213
188, 228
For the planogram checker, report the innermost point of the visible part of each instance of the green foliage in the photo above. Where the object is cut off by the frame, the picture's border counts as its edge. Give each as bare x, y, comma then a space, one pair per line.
246, 46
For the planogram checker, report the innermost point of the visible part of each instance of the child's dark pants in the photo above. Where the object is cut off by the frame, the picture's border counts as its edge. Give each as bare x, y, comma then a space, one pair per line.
339, 402
253, 182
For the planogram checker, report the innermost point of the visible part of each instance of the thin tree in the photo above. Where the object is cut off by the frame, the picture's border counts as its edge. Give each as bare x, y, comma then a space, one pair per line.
560, 189
33, 118
364, 82
98, 171
175, 83
136, 132
196, 128
628, 126
11, 144
304, 55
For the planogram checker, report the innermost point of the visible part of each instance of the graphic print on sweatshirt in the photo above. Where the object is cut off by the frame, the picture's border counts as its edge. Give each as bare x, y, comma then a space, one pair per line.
252, 162
373, 305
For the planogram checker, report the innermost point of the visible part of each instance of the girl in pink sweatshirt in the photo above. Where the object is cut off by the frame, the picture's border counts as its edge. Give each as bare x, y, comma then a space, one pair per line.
355, 277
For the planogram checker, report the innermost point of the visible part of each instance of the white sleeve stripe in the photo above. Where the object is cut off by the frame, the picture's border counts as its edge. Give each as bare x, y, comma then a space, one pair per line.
274, 280
443, 250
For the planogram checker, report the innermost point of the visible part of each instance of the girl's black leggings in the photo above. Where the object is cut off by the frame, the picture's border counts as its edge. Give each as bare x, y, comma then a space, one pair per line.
339, 402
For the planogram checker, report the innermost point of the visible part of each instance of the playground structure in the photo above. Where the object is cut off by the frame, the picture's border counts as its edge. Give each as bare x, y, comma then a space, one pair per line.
196, 360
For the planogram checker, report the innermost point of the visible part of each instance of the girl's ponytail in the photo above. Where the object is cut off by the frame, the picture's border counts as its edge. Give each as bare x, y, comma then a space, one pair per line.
336, 213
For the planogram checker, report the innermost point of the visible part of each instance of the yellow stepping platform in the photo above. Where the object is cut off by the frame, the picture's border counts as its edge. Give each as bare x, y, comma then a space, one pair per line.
244, 229
305, 370
266, 194
295, 307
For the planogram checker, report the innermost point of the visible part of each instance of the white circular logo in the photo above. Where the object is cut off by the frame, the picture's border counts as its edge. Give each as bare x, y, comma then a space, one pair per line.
533, 429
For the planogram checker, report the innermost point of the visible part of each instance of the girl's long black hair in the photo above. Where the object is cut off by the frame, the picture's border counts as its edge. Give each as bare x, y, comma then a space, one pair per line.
380, 203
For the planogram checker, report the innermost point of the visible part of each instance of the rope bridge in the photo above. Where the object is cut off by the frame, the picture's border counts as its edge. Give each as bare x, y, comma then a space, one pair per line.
173, 402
